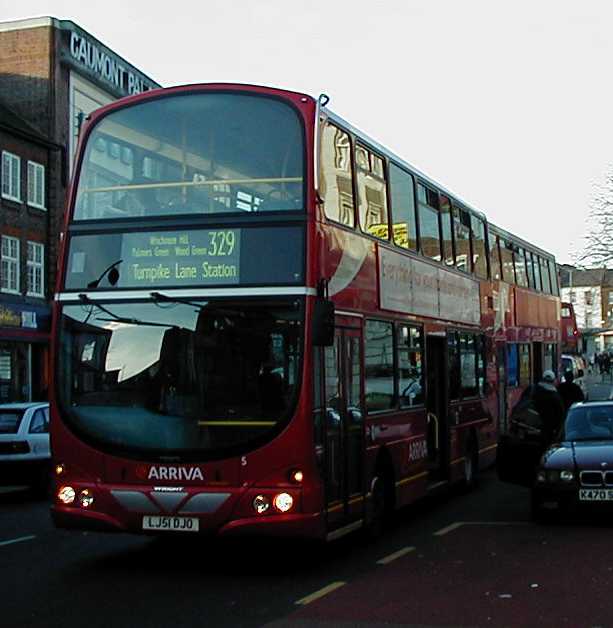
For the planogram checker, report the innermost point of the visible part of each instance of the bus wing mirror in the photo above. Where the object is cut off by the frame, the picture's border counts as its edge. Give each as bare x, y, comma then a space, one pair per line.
323, 323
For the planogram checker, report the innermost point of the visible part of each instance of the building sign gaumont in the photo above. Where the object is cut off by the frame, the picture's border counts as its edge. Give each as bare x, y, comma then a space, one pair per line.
414, 287
105, 66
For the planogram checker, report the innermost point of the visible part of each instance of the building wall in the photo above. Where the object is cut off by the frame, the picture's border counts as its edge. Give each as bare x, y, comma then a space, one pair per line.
25, 68
47, 79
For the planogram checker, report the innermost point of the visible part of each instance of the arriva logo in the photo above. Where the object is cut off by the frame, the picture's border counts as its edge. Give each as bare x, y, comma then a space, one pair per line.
189, 474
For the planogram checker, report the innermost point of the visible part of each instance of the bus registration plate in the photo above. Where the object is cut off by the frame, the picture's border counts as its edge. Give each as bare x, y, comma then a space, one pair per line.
176, 524
596, 495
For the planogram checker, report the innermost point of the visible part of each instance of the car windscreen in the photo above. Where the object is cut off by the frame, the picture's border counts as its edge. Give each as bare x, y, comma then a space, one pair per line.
10, 421
587, 422
197, 153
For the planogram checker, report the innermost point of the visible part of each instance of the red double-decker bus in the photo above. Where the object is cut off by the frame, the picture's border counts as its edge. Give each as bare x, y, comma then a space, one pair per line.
570, 334
267, 323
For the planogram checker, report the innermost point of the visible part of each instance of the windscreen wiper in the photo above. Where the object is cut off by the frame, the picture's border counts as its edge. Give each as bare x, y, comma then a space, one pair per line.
159, 297
122, 319
112, 272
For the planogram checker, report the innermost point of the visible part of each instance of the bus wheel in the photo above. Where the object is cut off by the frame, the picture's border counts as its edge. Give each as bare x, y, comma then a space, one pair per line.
471, 465
377, 511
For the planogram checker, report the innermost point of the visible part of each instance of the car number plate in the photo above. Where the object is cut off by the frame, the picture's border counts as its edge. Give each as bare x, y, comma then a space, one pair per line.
176, 524
596, 495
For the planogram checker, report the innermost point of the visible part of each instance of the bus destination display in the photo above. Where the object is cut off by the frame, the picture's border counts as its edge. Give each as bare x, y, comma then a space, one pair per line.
181, 257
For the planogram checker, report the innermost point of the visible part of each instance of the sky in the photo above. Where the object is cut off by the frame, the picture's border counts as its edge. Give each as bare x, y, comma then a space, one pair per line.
508, 104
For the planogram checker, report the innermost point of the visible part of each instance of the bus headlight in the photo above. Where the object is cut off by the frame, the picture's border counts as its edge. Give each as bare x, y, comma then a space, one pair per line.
86, 499
66, 495
567, 476
283, 502
261, 504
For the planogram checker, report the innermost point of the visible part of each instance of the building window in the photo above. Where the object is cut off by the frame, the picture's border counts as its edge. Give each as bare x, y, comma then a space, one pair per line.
11, 176
36, 185
588, 297
36, 269
10, 264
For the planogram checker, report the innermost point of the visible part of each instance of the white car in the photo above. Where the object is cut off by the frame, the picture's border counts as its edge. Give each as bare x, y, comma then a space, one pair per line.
25, 457
573, 364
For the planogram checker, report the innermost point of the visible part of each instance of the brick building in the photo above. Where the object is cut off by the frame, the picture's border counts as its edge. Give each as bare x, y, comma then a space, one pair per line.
52, 74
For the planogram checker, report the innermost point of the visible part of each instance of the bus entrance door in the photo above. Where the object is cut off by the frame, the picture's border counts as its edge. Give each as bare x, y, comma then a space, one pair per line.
437, 421
344, 432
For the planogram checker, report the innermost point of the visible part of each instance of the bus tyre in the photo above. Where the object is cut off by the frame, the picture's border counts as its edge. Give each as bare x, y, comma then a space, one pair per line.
376, 519
471, 465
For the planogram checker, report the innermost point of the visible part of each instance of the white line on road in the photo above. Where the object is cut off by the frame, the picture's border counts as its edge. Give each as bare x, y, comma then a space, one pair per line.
458, 524
19, 540
401, 552
315, 596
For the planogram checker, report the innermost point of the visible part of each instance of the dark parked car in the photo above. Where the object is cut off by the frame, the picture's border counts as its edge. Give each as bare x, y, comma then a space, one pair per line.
573, 473
25, 458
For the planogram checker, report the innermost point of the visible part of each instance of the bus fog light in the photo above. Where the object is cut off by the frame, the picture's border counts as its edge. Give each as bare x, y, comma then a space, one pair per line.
296, 476
261, 504
283, 502
86, 499
66, 495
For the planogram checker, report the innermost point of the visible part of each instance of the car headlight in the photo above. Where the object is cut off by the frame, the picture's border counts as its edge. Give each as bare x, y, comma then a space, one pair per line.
566, 476
547, 475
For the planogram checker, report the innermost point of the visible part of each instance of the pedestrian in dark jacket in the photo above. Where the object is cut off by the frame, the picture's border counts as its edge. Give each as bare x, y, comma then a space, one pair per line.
549, 405
569, 391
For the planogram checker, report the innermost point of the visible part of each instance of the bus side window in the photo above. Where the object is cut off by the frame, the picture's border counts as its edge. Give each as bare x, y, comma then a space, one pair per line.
479, 250
536, 264
404, 223
336, 179
372, 193
520, 267
429, 228
506, 255
461, 226
554, 279
545, 277
495, 266
529, 269
447, 231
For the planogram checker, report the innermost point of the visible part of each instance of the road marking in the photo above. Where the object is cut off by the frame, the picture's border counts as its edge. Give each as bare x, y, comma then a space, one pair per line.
459, 524
19, 540
11, 489
391, 557
318, 594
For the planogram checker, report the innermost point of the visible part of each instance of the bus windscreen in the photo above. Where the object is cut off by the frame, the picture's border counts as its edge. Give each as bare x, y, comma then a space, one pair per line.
211, 153
172, 377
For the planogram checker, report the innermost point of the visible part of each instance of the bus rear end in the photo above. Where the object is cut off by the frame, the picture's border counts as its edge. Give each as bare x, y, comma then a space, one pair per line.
180, 323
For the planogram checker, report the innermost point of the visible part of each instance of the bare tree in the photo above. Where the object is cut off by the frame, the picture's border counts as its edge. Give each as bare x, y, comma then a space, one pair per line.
598, 249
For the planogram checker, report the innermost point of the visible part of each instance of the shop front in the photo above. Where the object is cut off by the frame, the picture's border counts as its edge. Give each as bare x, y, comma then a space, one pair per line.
24, 352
